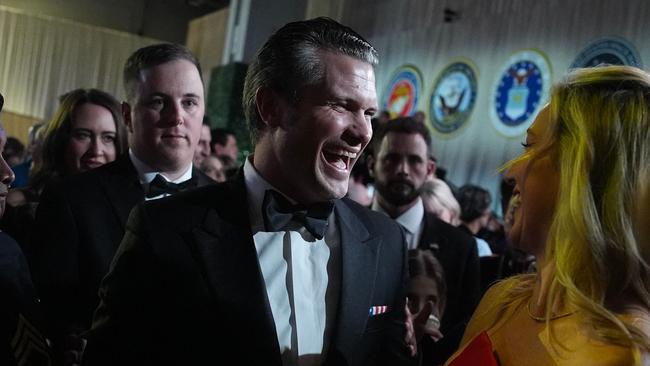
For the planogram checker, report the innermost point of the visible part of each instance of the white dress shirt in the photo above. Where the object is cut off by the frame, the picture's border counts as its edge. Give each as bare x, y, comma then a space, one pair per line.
302, 276
412, 220
483, 247
146, 174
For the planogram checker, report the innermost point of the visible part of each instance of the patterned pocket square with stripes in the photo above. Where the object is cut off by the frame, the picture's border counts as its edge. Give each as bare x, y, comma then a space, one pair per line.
377, 310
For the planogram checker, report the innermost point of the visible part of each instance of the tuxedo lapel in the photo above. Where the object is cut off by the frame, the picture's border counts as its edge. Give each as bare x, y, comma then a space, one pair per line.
224, 247
121, 184
202, 179
431, 238
359, 253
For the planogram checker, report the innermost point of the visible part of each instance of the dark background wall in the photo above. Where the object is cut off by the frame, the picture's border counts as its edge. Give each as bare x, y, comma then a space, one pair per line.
160, 19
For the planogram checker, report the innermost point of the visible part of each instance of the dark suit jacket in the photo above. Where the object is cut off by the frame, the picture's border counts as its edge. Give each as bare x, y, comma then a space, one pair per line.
458, 255
186, 288
21, 341
80, 222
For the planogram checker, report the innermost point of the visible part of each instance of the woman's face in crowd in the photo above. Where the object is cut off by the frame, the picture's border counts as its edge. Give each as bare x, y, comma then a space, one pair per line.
92, 139
535, 192
213, 168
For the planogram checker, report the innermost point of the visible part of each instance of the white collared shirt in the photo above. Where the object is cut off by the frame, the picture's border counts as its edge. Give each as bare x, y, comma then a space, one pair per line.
146, 174
298, 271
412, 220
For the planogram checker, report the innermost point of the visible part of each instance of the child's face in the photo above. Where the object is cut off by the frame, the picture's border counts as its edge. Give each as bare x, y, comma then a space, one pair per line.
422, 289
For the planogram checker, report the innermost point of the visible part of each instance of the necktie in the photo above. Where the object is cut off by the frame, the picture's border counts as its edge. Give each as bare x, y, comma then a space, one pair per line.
278, 212
160, 185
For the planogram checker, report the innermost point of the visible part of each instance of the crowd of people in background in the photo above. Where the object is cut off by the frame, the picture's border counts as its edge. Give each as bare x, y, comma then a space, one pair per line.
563, 254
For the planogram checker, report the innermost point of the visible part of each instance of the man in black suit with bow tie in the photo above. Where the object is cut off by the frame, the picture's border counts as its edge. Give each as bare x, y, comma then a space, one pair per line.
81, 221
273, 267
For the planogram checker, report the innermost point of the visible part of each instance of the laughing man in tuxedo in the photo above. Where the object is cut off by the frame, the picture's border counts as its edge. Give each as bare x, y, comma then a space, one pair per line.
81, 221
274, 267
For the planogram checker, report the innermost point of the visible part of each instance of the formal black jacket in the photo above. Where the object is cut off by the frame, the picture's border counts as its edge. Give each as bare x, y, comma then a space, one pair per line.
458, 255
186, 288
80, 222
21, 339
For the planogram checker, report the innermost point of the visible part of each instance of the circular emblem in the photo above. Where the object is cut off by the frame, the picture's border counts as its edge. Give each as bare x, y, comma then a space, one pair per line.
401, 96
609, 50
520, 92
453, 96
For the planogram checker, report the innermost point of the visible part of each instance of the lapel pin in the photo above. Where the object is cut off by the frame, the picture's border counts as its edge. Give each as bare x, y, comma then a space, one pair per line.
376, 310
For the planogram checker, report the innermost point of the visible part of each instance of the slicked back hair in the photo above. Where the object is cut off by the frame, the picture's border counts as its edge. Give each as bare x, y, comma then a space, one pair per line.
290, 60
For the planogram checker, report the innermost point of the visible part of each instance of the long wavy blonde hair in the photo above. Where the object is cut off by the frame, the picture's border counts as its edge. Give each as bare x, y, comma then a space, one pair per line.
599, 139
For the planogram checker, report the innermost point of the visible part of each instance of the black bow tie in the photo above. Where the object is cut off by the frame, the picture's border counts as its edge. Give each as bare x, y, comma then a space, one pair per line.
278, 212
160, 185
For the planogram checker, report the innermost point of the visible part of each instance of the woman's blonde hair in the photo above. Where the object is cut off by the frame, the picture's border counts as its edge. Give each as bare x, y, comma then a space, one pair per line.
438, 197
599, 139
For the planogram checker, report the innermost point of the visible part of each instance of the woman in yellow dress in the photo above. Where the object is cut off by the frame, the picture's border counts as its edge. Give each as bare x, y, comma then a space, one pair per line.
578, 207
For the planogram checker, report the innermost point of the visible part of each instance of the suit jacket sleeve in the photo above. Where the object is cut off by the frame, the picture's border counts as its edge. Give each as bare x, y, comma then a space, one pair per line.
471, 284
121, 331
55, 266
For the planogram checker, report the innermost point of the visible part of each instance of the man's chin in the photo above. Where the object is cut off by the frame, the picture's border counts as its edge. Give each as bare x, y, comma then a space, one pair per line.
172, 160
399, 198
331, 188
334, 193
400, 201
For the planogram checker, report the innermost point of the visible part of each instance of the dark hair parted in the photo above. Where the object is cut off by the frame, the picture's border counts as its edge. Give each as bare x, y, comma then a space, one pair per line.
473, 201
56, 133
289, 60
401, 125
423, 263
220, 135
150, 56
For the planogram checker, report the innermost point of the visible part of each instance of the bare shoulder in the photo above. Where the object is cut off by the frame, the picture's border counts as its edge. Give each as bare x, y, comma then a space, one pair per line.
489, 310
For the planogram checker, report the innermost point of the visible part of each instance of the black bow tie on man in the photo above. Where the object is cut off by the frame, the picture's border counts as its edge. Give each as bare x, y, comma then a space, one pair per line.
278, 212
159, 185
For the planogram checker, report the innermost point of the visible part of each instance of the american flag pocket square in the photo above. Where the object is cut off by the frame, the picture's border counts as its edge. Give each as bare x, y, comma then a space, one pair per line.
376, 310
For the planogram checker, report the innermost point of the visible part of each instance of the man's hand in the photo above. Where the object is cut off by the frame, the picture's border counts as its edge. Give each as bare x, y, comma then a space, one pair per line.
74, 349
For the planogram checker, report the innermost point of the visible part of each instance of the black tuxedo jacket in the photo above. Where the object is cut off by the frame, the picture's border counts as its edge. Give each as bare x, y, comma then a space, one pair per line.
21, 341
186, 288
80, 222
458, 255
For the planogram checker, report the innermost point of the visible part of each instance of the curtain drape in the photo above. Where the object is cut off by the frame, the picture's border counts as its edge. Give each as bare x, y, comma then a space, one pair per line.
43, 57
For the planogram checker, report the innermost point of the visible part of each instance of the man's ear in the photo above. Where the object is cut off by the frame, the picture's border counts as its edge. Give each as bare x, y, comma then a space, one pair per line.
126, 114
269, 106
431, 168
370, 162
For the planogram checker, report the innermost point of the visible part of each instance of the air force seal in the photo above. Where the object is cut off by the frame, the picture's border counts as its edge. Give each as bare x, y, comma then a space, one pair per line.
608, 50
453, 96
520, 92
403, 91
